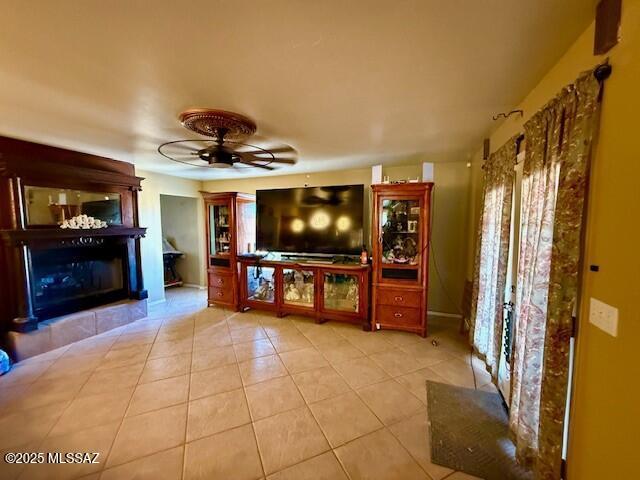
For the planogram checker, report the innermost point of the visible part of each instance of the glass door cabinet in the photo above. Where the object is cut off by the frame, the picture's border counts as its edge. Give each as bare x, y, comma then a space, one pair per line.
298, 288
400, 227
230, 231
220, 230
400, 239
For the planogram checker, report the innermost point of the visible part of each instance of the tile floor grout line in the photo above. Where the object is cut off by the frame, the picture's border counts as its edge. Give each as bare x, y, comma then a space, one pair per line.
186, 420
102, 471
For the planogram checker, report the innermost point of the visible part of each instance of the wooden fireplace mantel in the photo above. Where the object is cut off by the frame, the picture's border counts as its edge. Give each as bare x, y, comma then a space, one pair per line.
25, 164
27, 236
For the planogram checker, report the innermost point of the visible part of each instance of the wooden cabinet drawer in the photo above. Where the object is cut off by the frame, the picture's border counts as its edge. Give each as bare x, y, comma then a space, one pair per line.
392, 315
400, 298
224, 295
219, 280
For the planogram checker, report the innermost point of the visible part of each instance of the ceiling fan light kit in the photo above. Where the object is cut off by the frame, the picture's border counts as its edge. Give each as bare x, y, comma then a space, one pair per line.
227, 147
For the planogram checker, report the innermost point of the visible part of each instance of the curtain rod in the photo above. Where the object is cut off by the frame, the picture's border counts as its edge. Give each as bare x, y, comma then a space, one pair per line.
601, 73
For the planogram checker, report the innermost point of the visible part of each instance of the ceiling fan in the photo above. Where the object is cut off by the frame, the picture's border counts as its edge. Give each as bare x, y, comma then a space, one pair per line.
227, 149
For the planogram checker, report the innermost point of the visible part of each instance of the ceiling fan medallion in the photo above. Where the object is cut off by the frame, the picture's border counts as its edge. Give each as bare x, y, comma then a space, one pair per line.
227, 148
207, 122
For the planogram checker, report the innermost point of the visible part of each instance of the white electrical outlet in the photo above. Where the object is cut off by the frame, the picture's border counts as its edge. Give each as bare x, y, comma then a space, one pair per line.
604, 316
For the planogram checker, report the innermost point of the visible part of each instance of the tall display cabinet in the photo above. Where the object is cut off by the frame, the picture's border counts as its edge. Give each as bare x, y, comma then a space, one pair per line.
400, 240
230, 225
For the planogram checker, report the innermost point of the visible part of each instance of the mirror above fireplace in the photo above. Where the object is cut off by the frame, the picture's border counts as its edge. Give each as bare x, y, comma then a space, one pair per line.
52, 206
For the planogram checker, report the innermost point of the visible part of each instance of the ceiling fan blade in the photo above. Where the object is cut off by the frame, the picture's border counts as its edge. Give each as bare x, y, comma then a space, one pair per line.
265, 167
288, 161
189, 147
252, 158
281, 149
265, 160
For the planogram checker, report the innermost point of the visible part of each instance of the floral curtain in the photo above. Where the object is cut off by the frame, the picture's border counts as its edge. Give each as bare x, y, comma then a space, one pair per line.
491, 255
558, 146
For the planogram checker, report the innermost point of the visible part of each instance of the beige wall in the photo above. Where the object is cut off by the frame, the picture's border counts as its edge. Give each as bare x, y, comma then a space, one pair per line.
475, 206
605, 416
153, 186
450, 221
180, 220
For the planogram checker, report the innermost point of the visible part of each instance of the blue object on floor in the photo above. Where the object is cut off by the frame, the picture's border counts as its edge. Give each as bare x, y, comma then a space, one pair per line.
5, 362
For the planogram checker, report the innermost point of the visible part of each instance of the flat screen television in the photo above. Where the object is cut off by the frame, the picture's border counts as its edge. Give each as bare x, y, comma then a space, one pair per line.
321, 220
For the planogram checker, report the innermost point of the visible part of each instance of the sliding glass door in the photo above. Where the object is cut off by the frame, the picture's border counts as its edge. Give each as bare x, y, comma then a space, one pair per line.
504, 367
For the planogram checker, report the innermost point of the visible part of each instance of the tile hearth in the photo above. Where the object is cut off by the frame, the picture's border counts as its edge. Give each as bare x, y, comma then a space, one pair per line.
204, 393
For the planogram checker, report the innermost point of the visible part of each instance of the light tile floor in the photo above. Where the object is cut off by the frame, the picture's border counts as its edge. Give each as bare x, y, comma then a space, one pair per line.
203, 393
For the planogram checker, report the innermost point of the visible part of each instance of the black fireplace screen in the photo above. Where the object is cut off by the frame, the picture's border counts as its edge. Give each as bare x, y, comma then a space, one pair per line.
70, 279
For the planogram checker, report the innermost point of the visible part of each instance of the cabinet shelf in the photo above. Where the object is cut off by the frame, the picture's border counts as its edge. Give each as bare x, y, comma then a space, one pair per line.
400, 266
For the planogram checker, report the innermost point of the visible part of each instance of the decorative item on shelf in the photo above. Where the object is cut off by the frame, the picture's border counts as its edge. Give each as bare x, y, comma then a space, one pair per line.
84, 222
264, 291
403, 252
412, 226
307, 294
364, 256
410, 249
352, 293
292, 294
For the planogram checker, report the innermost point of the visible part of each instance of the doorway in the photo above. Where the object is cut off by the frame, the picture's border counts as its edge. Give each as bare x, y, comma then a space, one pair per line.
180, 240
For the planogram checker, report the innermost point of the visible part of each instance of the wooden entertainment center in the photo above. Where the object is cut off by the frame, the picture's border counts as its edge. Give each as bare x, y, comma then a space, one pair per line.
338, 290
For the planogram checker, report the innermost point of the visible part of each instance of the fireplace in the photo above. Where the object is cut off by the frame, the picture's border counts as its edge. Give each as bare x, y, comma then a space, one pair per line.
76, 278
47, 271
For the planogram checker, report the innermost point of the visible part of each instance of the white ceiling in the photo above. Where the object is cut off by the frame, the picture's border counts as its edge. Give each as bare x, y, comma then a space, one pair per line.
347, 83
